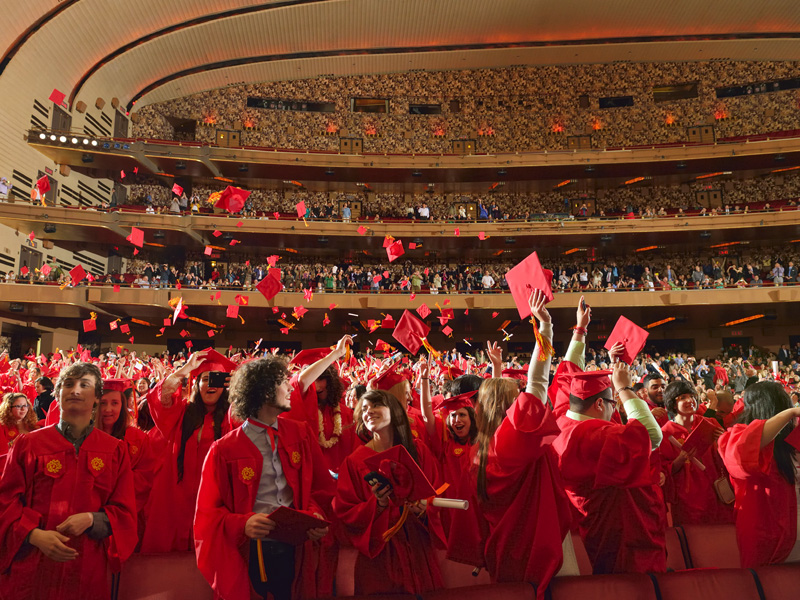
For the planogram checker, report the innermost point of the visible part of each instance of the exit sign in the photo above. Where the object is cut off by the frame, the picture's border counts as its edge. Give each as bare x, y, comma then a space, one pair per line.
737, 333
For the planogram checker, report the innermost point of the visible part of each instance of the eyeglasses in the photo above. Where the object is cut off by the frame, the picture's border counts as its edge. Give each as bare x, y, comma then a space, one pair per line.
612, 402
19, 406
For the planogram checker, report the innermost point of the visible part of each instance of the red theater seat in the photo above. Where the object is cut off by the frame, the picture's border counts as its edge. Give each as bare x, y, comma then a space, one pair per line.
171, 576
497, 591
676, 560
712, 546
459, 575
603, 587
708, 584
779, 581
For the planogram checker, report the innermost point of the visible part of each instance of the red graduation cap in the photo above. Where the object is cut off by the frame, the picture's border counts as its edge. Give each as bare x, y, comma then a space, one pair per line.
208, 251
452, 371
361, 230
43, 184
116, 385
232, 199
409, 331
136, 237
292, 526
89, 325
381, 346
701, 437
233, 311
589, 383
125, 328
407, 479
448, 405
389, 378
57, 96
520, 374
214, 361
113, 325
216, 233
24, 270
631, 335
481, 235
77, 274
395, 251
423, 311
270, 286
310, 356
46, 270
301, 209
524, 278
176, 189
388, 241
31, 236
412, 245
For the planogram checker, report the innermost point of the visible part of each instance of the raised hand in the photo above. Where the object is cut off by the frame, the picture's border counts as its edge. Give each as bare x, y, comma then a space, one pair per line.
538, 304
584, 314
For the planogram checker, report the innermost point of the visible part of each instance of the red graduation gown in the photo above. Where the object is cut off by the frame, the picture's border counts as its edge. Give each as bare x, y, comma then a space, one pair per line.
231, 474
407, 562
45, 482
621, 514
766, 504
518, 533
453, 459
170, 510
690, 491
8, 435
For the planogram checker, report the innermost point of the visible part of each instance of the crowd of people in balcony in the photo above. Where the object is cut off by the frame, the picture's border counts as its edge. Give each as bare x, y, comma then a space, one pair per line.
515, 109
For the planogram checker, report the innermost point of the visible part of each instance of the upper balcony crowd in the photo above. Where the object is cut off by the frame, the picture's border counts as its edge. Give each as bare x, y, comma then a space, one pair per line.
515, 109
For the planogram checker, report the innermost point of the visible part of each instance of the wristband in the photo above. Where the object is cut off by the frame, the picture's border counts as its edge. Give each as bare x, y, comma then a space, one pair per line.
580, 331
627, 387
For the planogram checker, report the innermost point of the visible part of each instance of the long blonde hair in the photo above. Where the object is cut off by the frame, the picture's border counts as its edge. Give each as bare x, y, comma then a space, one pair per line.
495, 397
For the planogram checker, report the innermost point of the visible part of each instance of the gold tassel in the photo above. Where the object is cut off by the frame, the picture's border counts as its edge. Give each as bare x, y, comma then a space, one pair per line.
262, 572
431, 350
545, 347
389, 533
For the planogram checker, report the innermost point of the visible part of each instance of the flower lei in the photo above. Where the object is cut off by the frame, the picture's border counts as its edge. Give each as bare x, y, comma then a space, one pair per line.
337, 428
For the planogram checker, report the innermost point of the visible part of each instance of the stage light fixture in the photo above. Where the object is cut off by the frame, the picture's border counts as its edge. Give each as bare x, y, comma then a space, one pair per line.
87, 158
53, 138
180, 165
74, 140
94, 142
243, 168
42, 136
63, 139
85, 142
49, 227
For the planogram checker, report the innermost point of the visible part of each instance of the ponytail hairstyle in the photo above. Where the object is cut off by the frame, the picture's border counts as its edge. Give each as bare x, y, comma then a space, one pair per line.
195, 415
399, 419
495, 397
764, 400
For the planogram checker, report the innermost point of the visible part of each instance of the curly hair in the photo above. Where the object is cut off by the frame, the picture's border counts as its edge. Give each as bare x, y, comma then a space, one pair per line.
78, 370
6, 415
335, 387
256, 383
675, 390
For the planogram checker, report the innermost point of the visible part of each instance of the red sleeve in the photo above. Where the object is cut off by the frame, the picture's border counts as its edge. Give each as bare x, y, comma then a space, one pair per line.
357, 509
468, 529
218, 532
323, 486
525, 433
166, 419
121, 511
558, 392
304, 406
16, 520
740, 448
143, 464
53, 414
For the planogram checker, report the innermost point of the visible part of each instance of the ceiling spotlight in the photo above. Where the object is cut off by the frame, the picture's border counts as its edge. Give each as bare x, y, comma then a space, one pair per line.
680, 165
780, 157
53, 138
42, 136
63, 139
502, 172
94, 142
416, 173
85, 142
74, 140
589, 169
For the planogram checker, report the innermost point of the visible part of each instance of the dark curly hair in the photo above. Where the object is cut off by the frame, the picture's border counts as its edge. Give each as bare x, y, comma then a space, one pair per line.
675, 390
335, 387
256, 383
78, 370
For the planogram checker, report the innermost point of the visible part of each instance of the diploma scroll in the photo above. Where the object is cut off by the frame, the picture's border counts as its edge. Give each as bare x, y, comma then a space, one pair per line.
695, 461
447, 503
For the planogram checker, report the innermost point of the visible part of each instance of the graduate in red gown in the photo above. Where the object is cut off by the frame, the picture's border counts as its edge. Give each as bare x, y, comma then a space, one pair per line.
689, 489
16, 418
761, 466
406, 563
118, 422
190, 426
396, 381
67, 504
265, 464
318, 399
610, 471
521, 514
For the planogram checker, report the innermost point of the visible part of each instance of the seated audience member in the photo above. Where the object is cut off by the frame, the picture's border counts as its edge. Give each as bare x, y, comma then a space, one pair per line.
689, 489
16, 418
67, 503
265, 464
763, 471
404, 562
190, 425
519, 513
609, 469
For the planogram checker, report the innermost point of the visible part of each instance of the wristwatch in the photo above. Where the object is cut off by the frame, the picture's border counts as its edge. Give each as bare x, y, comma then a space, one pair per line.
627, 387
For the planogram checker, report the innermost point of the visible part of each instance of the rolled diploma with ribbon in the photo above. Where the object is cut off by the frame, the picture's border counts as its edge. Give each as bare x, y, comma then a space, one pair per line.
447, 503
695, 461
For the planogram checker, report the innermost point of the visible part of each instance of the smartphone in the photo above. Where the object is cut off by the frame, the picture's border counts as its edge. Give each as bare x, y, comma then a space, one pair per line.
583, 305
374, 477
216, 379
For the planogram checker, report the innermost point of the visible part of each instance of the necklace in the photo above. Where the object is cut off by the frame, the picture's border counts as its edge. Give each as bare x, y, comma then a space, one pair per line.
337, 428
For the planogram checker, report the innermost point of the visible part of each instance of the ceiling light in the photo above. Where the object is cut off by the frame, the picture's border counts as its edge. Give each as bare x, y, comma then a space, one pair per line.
63, 139
74, 140
53, 138
85, 142
42, 136
94, 142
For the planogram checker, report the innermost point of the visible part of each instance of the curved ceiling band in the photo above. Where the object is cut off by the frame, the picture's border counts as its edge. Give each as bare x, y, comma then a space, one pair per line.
236, 62
38, 24
178, 27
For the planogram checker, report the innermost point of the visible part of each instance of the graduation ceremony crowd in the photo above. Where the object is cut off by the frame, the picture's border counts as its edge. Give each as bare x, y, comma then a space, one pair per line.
265, 467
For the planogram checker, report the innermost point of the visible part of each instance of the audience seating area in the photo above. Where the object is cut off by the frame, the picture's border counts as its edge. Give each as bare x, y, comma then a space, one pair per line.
703, 563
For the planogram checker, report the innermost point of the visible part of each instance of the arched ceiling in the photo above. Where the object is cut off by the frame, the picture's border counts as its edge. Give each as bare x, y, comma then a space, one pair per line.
153, 50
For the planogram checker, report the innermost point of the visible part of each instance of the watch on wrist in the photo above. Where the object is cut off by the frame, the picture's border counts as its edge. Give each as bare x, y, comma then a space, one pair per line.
627, 387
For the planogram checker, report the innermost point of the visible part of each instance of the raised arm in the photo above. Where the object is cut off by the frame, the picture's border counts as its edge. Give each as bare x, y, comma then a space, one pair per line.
774, 425
173, 382
425, 397
495, 353
313, 372
577, 345
539, 370
635, 407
